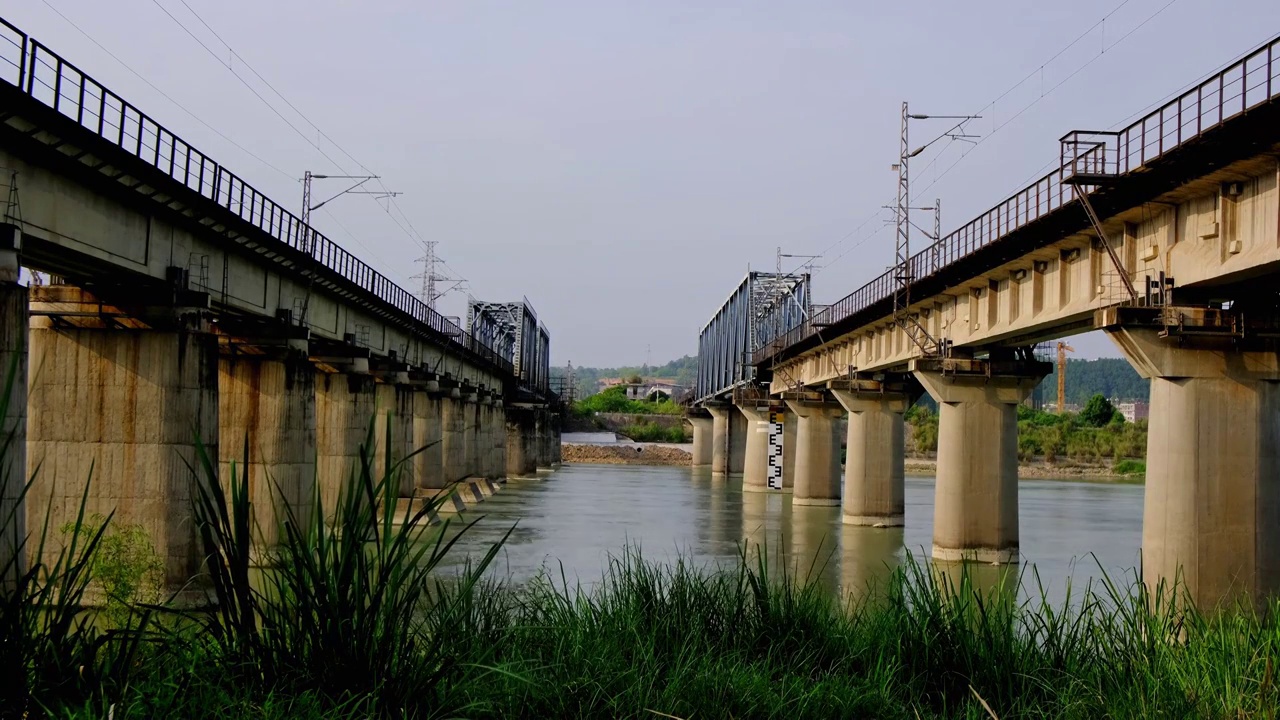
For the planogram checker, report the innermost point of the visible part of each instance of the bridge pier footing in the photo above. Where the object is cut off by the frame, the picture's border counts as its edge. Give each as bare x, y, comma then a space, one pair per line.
1211, 515
269, 401
976, 494
817, 452
127, 402
874, 475
13, 417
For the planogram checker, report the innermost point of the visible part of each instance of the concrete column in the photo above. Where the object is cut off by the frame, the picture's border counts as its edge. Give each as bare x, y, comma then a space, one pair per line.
13, 416
703, 432
267, 410
544, 435
496, 439
128, 406
393, 434
557, 439
738, 436
428, 463
470, 409
874, 477
345, 406
1211, 515
976, 494
720, 438
817, 452
520, 427
453, 440
755, 473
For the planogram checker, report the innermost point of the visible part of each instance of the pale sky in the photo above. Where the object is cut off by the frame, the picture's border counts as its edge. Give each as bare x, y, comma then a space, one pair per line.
621, 164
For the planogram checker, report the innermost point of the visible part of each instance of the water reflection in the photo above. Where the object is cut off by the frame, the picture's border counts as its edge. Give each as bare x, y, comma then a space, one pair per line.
580, 515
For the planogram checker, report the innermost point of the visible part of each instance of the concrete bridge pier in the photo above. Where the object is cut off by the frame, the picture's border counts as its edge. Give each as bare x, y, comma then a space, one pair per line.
557, 433
453, 421
428, 463
13, 417
755, 456
703, 433
738, 436
976, 493
346, 402
721, 418
874, 473
267, 399
521, 458
1211, 515
126, 396
542, 437
817, 451
393, 433
495, 434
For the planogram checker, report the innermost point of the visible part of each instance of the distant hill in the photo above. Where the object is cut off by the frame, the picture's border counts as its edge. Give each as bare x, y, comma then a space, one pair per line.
683, 370
1112, 377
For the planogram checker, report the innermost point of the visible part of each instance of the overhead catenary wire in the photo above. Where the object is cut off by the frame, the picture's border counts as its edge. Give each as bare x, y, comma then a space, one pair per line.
1037, 71
163, 94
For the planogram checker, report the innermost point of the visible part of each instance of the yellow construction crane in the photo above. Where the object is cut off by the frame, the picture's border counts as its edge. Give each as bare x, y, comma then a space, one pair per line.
1063, 349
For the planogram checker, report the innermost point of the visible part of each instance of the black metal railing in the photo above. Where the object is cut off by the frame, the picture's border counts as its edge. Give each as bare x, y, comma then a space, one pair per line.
1247, 83
47, 77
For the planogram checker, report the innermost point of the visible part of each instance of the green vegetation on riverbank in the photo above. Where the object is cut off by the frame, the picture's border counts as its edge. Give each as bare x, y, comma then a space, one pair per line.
614, 400
1095, 434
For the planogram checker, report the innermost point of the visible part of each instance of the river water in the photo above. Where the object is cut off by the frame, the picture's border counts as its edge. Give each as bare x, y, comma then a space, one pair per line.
575, 518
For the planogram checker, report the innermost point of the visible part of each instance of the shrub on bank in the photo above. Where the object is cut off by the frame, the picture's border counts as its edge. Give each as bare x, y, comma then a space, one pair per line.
652, 432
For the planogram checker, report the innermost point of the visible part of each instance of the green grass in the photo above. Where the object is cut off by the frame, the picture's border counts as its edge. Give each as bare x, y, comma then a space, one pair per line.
653, 432
1131, 467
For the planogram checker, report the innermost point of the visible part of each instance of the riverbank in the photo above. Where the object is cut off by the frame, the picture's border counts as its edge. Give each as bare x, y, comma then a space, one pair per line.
622, 454
1098, 472
665, 455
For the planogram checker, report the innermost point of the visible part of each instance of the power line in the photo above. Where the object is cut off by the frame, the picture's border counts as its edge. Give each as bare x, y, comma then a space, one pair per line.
162, 93
1039, 70
1060, 83
246, 84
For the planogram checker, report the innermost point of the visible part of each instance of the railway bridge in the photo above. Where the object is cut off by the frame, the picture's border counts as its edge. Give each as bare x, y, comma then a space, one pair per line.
1165, 234
187, 308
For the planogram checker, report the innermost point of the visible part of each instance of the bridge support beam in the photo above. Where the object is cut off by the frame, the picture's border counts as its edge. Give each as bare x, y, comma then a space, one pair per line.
976, 494
13, 417
817, 452
1211, 515
495, 436
703, 434
542, 439
269, 401
874, 470
345, 405
128, 400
